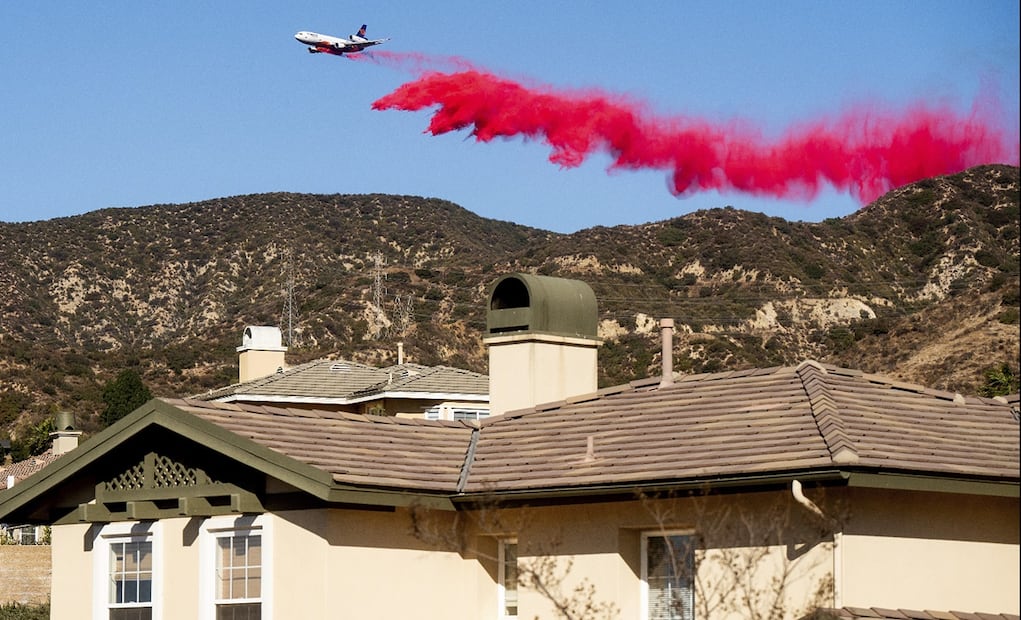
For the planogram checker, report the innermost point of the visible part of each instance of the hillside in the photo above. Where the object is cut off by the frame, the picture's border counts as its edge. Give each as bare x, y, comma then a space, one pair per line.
921, 285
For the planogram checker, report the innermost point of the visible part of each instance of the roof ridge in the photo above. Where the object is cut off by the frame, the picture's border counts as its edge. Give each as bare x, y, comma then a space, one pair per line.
825, 412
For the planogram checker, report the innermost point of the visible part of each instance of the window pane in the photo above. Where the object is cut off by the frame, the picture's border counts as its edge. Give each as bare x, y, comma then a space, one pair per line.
509, 578
132, 613
239, 569
669, 575
130, 572
242, 611
254, 550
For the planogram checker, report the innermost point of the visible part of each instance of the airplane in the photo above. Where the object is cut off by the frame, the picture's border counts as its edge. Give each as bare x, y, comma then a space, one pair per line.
325, 44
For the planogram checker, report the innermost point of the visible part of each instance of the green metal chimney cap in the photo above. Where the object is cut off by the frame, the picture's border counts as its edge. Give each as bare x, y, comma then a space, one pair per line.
524, 302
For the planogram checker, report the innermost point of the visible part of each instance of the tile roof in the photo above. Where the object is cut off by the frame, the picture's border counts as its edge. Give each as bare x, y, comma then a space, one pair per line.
763, 422
342, 380
874, 613
747, 422
24, 469
372, 451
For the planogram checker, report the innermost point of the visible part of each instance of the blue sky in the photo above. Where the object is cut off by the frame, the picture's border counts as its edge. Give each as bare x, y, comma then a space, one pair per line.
125, 104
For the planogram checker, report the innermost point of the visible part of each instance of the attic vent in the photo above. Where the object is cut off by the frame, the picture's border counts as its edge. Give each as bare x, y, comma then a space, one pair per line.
340, 367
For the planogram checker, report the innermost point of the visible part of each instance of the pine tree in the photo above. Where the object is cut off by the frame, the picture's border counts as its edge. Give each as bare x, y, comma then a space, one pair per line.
123, 395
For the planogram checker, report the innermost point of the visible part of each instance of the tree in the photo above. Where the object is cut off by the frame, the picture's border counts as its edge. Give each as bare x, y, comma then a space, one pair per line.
35, 441
1000, 381
123, 395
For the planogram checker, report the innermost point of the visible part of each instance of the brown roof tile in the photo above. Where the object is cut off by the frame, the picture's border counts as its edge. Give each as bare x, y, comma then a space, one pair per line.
861, 613
372, 451
775, 421
766, 420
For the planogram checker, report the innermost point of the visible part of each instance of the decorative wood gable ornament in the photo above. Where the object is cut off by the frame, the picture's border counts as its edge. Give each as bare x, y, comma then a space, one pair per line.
159, 487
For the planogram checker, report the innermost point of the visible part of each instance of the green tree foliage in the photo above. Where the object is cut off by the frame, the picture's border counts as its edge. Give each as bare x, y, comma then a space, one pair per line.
123, 395
34, 442
1000, 381
18, 611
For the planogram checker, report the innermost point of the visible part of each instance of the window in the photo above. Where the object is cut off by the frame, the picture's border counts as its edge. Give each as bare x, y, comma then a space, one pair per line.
668, 565
27, 536
456, 412
131, 580
235, 569
126, 572
508, 577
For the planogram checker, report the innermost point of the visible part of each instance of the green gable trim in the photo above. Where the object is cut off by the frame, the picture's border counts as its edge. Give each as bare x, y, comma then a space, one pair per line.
160, 487
904, 482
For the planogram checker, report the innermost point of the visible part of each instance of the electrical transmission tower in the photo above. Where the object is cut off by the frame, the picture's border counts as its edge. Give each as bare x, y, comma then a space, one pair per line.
289, 299
404, 314
379, 293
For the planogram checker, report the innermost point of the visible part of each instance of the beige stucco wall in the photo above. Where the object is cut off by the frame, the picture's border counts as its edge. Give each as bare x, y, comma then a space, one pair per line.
255, 363
71, 586
532, 369
763, 538
931, 551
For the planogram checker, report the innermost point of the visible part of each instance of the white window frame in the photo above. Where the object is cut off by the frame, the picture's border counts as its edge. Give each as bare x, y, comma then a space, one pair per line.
645, 566
454, 411
143, 531
502, 545
215, 528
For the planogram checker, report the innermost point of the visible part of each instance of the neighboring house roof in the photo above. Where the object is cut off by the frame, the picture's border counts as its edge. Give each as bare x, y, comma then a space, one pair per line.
331, 381
810, 422
24, 469
876, 613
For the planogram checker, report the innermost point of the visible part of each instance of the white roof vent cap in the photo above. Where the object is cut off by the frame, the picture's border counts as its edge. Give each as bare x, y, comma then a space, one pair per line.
262, 337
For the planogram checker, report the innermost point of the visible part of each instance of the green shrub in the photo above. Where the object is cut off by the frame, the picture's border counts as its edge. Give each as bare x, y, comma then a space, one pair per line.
17, 611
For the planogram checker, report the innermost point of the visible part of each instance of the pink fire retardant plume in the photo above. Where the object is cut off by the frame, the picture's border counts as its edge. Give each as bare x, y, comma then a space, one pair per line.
865, 151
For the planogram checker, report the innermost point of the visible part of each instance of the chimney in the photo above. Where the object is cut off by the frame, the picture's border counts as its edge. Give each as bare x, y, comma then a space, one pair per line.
261, 353
400, 353
65, 438
667, 332
541, 335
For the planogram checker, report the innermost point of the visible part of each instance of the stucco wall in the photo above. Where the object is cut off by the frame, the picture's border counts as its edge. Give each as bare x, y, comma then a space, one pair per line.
24, 573
932, 551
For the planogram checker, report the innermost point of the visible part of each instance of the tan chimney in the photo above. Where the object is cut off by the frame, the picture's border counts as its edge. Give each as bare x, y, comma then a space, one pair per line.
65, 438
667, 332
541, 334
261, 353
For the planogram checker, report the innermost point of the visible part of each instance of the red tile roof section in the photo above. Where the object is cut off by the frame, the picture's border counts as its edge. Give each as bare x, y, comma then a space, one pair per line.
24, 469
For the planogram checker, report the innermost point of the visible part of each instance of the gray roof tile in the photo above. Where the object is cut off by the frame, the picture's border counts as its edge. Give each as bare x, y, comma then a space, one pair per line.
331, 379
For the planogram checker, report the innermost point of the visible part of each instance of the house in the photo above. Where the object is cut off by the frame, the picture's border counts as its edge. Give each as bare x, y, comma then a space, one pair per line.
810, 491
25, 559
404, 389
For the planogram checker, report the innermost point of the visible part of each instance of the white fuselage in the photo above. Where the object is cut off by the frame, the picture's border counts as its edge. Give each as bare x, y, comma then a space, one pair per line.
324, 43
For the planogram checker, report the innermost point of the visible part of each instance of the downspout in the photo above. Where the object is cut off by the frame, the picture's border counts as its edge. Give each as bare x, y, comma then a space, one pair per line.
801, 498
